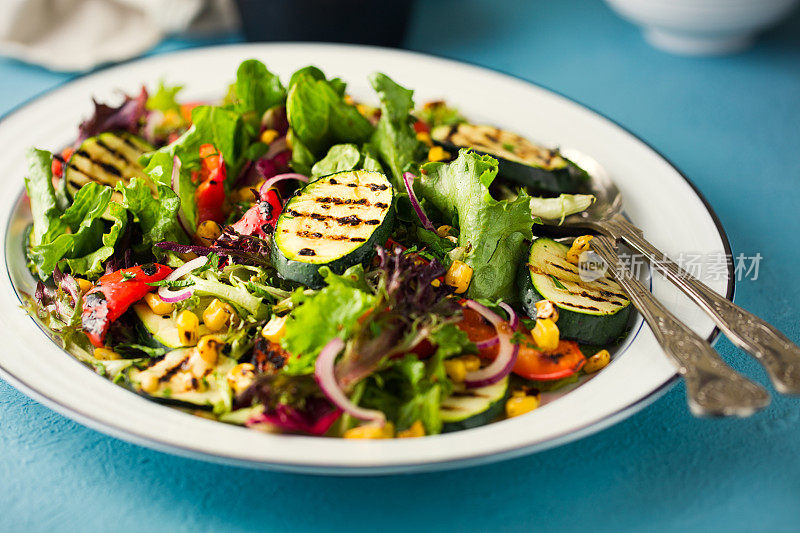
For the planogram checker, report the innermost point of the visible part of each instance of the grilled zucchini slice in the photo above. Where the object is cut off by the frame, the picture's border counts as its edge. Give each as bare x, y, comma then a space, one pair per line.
108, 158
178, 383
592, 312
335, 221
520, 161
470, 408
163, 328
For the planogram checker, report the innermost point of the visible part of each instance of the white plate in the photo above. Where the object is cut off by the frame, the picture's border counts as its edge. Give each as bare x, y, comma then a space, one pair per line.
658, 198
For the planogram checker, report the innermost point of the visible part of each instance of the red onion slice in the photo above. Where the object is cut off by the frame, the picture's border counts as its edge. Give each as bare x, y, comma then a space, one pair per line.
324, 374
280, 177
488, 343
173, 296
175, 182
513, 319
506, 354
408, 180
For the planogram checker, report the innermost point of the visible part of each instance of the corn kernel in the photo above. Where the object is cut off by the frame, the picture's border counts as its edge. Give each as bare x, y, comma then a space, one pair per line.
105, 354
209, 348
148, 382
456, 370
157, 305
546, 309
349, 100
244, 194
579, 245
519, 405
371, 431
459, 276
416, 430
217, 315
471, 362
597, 362
84, 284
545, 334
425, 137
436, 282
241, 376
208, 230
437, 153
275, 329
188, 324
443, 231
269, 136
365, 110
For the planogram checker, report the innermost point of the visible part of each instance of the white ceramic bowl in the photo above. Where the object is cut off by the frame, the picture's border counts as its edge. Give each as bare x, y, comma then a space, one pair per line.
702, 27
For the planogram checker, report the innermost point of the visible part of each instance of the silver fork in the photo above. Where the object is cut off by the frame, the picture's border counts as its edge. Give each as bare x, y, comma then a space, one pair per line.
712, 387
777, 354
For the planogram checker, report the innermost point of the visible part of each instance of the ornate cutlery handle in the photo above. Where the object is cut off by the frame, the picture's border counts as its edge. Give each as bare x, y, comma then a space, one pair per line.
712, 387
779, 356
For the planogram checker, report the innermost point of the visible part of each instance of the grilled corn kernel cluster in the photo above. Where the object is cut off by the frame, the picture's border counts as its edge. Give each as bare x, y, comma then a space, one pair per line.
84, 284
457, 368
416, 430
268, 136
437, 153
208, 231
241, 376
157, 305
579, 245
218, 315
188, 326
459, 275
546, 309
371, 431
545, 334
597, 362
105, 354
521, 403
275, 329
425, 138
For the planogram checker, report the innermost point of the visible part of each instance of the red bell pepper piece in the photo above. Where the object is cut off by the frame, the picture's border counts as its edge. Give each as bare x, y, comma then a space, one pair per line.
113, 294
210, 194
262, 215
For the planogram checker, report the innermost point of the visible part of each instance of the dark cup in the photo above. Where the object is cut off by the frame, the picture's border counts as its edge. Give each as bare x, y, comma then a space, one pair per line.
377, 22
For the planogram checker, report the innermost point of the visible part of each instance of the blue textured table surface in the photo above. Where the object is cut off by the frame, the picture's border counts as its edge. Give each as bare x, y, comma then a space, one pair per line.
732, 124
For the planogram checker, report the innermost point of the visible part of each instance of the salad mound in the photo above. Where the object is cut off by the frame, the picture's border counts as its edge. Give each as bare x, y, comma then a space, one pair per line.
293, 260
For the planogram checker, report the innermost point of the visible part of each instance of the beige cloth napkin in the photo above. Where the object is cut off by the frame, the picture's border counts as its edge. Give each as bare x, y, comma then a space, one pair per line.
76, 35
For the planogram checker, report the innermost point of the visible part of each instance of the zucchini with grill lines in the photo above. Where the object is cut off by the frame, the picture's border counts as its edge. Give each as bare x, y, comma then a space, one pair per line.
335, 221
592, 312
108, 158
539, 169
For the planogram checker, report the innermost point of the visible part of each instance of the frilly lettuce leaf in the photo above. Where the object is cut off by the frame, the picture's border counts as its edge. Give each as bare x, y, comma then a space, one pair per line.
491, 232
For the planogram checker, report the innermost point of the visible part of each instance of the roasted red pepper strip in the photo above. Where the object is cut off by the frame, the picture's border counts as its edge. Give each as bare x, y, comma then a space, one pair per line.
113, 294
210, 194
262, 217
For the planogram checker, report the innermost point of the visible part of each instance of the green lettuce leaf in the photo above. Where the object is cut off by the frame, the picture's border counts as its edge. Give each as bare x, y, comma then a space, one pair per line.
332, 311
157, 217
394, 139
222, 127
85, 236
160, 171
257, 89
342, 157
319, 118
164, 98
47, 223
491, 232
